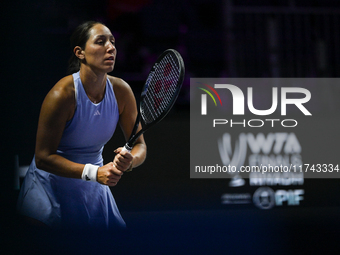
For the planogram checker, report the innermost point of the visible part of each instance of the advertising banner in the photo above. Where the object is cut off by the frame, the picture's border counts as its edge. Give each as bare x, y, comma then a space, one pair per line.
264, 136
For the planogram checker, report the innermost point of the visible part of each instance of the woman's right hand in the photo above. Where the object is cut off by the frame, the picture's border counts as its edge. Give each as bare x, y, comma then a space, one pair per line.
109, 175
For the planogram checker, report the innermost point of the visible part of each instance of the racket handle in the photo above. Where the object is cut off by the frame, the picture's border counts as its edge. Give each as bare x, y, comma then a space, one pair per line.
127, 148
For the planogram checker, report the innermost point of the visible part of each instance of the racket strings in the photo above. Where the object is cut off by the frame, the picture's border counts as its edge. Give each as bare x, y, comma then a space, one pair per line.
162, 88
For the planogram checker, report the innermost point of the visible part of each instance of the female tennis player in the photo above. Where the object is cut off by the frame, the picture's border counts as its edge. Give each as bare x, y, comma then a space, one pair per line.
67, 184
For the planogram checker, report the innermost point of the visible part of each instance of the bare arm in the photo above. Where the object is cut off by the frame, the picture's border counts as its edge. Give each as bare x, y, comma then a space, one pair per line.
127, 117
57, 108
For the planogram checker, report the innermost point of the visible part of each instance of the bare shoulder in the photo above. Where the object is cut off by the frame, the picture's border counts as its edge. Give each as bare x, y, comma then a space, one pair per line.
63, 90
62, 96
123, 92
119, 85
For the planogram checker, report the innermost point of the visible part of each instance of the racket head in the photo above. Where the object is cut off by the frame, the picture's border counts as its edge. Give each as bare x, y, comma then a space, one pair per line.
162, 87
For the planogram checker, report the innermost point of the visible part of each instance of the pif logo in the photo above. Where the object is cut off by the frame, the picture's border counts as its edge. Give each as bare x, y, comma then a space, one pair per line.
238, 99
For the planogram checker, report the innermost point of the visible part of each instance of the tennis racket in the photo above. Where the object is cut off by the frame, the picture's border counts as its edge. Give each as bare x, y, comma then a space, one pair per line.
159, 93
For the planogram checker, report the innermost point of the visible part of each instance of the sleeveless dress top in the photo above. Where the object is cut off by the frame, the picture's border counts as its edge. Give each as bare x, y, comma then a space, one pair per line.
63, 202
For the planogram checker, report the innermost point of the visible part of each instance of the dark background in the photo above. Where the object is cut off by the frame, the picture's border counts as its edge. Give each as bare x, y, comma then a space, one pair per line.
166, 210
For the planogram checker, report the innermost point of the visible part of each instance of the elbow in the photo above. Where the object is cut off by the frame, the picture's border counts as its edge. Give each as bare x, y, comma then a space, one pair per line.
40, 161
145, 153
140, 155
143, 149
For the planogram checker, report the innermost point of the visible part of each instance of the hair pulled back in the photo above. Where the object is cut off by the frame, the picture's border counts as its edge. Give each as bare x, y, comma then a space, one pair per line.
79, 38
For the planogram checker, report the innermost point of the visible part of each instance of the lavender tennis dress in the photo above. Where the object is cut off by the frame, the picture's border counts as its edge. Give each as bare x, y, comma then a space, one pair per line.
67, 202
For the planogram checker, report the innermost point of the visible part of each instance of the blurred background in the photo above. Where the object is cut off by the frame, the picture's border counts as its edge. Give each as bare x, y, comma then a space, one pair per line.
167, 211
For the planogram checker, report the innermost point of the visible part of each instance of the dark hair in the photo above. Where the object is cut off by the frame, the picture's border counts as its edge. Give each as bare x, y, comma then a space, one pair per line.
79, 38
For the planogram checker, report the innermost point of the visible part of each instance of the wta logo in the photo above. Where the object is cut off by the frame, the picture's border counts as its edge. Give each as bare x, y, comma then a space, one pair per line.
204, 97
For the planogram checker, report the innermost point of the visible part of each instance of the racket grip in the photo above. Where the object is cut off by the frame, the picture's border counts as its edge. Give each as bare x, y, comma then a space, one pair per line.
127, 148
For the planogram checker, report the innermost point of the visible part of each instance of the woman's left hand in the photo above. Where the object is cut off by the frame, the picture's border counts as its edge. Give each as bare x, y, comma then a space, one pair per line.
123, 159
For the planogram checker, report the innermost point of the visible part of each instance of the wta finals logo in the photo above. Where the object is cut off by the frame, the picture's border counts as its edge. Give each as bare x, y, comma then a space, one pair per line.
238, 157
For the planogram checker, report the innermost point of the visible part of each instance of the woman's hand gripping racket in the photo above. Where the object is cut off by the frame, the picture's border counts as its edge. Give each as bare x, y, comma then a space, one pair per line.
159, 93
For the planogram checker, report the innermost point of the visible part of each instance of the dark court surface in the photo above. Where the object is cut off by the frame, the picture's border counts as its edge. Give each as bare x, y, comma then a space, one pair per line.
301, 231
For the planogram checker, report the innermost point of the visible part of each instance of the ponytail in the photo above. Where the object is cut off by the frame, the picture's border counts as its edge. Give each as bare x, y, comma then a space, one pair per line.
73, 64
79, 38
